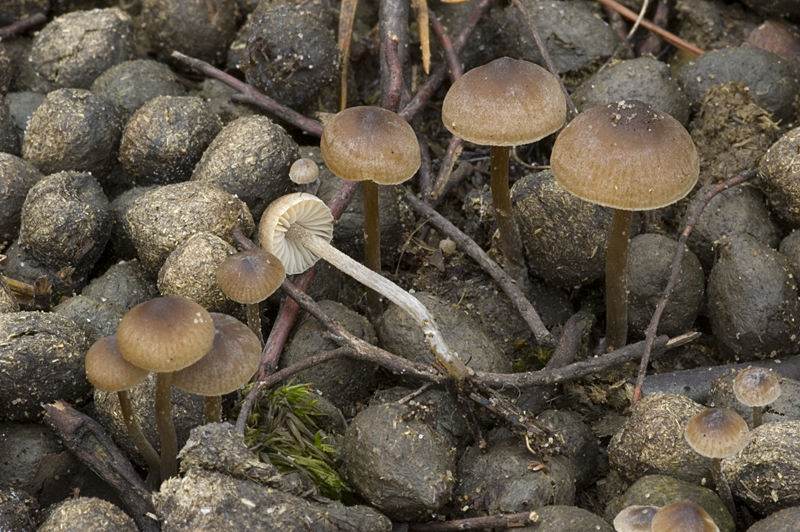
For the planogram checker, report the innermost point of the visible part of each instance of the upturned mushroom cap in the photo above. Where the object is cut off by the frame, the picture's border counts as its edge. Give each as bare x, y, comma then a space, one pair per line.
635, 519
362, 143
306, 210
108, 371
165, 334
683, 516
250, 276
756, 386
717, 433
303, 171
232, 360
506, 102
626, 155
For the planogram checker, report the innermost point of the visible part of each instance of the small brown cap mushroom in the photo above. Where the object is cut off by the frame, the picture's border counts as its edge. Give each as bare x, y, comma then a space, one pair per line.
250, 276
635, 519
756, 386
165, 334
506, 102
683, 516
303, 171
108, 371
232, 360
306, 210
717, 433
362, 143
626, 155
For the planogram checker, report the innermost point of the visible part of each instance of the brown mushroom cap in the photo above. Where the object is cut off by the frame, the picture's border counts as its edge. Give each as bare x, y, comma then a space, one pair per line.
506, 102
250, 276
635, 519
362, 143
232, 360
717, 433
626, 155
306, 210
108, 371
683, 516
304, 171
756, 386
165, 334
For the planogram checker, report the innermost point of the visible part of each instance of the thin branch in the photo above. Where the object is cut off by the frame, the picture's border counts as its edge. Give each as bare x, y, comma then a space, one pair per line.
453, 65
22, 25
393, 32
446, 168
675, 271
526, 310
347, 16
249, 95
478, 523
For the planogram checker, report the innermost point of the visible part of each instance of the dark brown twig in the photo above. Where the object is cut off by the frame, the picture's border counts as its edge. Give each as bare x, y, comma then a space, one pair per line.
446, 169
425, 171
651, 45
249, 95
451, 58
394, 75
393, 31
526, 310
675, 271
22, 25
87, 440
545, 54
478, 523
575, 329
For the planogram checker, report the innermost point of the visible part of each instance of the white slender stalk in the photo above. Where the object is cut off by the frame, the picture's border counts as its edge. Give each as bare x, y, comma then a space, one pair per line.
433, 336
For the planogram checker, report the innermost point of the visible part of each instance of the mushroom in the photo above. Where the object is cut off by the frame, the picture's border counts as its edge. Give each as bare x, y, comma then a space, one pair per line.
683, 516
305, 172
228, 365
164, 335
376, 146
718, 433
631, 157
249, 277
756, 387
108, 371
297, 228
501, 104
635, 518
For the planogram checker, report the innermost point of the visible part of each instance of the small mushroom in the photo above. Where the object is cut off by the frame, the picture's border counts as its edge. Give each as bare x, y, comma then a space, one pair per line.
249, 277
108, 371
297, 228
631, 157
164, 335
718, 433
635, 518
376, 146
756, 387
228, 365
501, 104
305, 172
683, 516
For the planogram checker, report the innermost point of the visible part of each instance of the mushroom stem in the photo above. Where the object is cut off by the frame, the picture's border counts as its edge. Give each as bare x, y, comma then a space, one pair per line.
433, 336
166, 429
509, 233
757, 417
372, 243
616, 278
139, 440
723, 488
254, 320
212, 408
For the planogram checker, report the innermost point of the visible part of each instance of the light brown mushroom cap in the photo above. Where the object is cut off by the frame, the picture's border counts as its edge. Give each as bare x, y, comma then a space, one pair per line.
165, 334
683, 516
250, 276
309, 212
717, 433
303, 171
506, 102
362, 143
108, 371
232, 360
635, 519
626, 155
756, 386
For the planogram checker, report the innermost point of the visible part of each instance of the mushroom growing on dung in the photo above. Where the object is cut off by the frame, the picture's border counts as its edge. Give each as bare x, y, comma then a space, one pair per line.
164, 335
683, 516
376, 146
756, 387
631, 157
501, 104
297, 228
